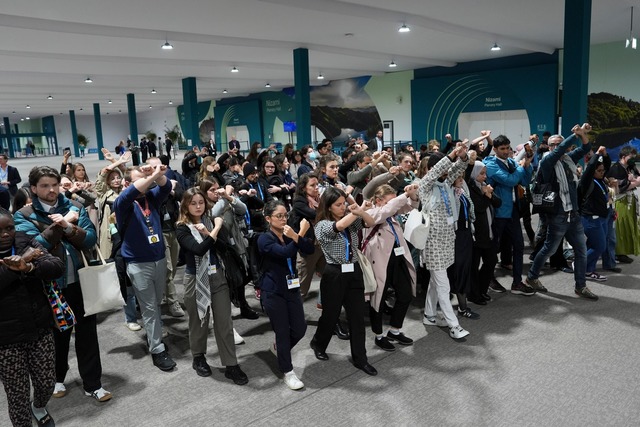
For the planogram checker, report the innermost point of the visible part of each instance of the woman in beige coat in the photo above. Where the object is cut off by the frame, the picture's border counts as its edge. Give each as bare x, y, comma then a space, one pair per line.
385, 246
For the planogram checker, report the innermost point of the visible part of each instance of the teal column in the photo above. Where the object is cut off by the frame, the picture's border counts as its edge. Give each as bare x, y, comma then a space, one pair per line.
190, 100
575, 70
302, 98
7, 132
133, 120
16, 140
98, 119
74, 133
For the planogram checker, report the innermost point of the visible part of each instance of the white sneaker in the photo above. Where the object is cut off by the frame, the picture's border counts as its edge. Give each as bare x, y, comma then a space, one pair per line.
175, 310
133, 326
457, 332
237, 339
101, 395
434, 321
59, 390
292, 381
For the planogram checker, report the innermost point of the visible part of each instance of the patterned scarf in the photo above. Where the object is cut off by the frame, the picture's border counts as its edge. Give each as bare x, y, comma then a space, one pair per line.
203, 290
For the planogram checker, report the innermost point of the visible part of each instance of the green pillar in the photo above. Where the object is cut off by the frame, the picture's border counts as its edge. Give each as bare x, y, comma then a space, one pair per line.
7, 132
302, 99
133, 120
74, 133
98, 119
575, 70
190, 100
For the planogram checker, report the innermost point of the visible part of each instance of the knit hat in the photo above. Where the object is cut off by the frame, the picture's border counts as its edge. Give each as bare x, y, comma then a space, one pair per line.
248, 169
434, 158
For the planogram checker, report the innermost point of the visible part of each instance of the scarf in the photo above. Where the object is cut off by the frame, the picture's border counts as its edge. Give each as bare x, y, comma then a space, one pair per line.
562, 167
203, 290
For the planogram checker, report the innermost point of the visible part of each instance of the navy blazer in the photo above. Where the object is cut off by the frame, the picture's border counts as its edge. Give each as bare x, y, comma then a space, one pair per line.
274, 263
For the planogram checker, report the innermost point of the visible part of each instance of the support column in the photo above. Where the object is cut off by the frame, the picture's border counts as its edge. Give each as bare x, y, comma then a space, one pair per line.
190, 100
74, 133
98, 119
575, 70
7, 132
302, 98
133, 128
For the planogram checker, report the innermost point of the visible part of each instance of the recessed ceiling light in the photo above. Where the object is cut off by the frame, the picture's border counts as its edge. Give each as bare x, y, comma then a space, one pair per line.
167, 46
49, 97
28, 118
224, 91
320, 76
495, 47
150, 106
88, 80
170, 102
28, 106
22, 119
267, 85
153, 91
110, 102
234, 70
392, 64
404, 29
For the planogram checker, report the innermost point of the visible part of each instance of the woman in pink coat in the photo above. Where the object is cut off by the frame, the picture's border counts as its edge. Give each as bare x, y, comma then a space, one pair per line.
385, 246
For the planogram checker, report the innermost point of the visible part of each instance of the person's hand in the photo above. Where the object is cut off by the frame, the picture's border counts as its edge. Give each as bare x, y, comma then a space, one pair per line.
31, 253
72, 216
289, 232
158, 171
486, 133
462, 151
411, 191
196, 149
355, 209
274, 189
15, 263
487, 190
58, 219
586, 127
107, 154
125, 157
602, 150
243, 192
577, 130
66, 155
304, 227
473, 156
217, 222
228, 189
394, 170
366, 204
534, 138
348, 189
252, 192
201, 229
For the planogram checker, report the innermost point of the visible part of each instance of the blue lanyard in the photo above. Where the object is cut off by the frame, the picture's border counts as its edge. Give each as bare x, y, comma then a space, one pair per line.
345, 236
464, 206
605, 193
247, 218
445, 199
290, 267
394, 231
259, 190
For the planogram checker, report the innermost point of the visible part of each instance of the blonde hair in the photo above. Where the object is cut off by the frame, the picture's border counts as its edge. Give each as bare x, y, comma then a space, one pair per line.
204, 173
383, 190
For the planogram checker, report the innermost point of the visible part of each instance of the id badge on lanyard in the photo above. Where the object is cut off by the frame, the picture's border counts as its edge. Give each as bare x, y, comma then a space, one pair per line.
349, 267
292, 280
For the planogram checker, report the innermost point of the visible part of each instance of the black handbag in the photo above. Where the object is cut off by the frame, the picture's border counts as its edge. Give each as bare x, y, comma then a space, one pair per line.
544, 196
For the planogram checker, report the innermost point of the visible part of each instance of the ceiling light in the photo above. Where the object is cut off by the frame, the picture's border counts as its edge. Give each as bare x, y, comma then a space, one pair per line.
495, 47
49, 97
170, 102
28, 118
234, 70
88, 80
631, 40
110, 102
267, 85
320, 76
28, 106
167, 46
404, 29
22, 119
150, 106
392, 64
153, 91
224, 91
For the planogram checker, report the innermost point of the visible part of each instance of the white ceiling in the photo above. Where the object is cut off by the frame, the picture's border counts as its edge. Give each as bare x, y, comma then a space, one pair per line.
49, 48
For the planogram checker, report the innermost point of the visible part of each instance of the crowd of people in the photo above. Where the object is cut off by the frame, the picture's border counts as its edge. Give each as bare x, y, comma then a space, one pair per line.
274, 220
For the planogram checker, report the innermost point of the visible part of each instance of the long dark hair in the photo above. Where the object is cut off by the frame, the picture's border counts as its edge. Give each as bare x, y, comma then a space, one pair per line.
329, 197
301, 186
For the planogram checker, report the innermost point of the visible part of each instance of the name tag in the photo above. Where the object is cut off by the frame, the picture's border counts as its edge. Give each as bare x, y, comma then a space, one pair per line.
595, 217
450, 220
398, 251
153, 239
212, 269
347, 268
167, 217
293, 282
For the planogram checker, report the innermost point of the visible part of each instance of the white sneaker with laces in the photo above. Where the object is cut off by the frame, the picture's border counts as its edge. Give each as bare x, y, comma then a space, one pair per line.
59, 390
457, 332
433, 321
175, 310
101, 395
292, 381
237, 339
133, 326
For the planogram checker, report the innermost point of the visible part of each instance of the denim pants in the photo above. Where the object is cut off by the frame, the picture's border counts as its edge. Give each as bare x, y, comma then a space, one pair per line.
609, 255
595, 230
569, 226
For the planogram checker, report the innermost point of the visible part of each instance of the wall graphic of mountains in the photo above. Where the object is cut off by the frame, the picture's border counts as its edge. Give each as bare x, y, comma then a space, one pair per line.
615, 119
331, 120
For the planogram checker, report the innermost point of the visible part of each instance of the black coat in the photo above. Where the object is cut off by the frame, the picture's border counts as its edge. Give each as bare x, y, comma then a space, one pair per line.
25, 307
481, 224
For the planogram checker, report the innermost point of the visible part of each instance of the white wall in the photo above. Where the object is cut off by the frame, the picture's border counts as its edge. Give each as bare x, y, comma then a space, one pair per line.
157, 120
513, 123
391, 94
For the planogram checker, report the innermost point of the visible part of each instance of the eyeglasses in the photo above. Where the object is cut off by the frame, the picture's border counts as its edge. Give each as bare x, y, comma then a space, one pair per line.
281, 216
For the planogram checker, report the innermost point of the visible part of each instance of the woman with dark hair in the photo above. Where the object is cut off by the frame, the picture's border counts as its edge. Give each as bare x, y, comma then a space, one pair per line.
27, 351
205, 286
281, 178
308, 163
342, 283
254, 152
21, 199
294, 164
280, 286
288, 152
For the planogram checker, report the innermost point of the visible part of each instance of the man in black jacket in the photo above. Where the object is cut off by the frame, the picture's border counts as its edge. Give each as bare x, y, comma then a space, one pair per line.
9, 176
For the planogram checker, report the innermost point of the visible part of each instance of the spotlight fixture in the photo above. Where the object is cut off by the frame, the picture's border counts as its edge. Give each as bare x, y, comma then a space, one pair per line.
224, 91
404, 29
49, 97
153, 91
22, 119
28, 118
27, 106
234, 70
631, 40
320, 76
495, 47
170, 102
267, 85
88, 80
150, 106
392, 64
109, 102
167, 45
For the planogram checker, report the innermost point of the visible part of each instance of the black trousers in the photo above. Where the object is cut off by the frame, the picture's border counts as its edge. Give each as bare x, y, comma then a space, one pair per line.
480, 281
340, 289
87, 348
399, 279
23, 361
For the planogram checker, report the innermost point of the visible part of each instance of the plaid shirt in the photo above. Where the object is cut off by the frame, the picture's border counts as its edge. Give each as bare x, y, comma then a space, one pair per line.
333, 242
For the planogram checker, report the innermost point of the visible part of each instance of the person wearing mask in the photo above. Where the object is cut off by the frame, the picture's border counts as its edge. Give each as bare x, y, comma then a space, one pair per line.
205, 286
280, 285
308, 163
342, 283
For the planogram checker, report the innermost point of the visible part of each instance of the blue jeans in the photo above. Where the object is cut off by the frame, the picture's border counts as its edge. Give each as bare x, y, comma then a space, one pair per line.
570, 227
609, 255
595, 230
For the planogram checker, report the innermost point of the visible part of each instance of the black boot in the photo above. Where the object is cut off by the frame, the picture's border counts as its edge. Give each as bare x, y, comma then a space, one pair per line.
245, 310
340, 332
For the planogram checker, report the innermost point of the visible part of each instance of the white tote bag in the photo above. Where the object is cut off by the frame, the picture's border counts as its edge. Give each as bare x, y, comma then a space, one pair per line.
416, 229
100, 286
368, 276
